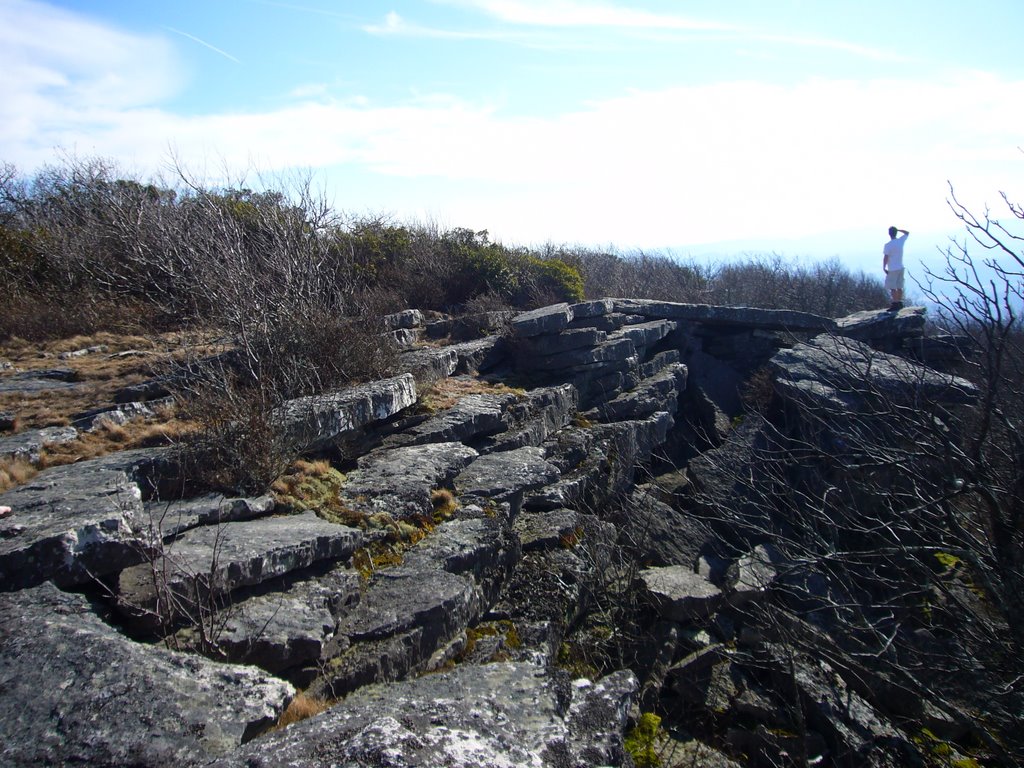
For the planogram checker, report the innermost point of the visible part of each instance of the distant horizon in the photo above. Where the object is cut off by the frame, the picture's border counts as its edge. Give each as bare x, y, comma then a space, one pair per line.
772, 127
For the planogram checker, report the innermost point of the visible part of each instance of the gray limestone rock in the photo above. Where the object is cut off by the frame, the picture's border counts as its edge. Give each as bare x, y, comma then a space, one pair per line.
503, 715
658, 393
430, 364
78, 692
409, 318
535, 417
549, 529
411, 596
93, 350
27, 382
553, 344
320, 420
877, 324
748, 317
73, 524
836, 373
751, 575
171, 518
93, 419
662, 535
472, 416
595, 308
398, 481
480, 546
679, 594
289, 626
404, 338
647, 334
211, 562
28, 445
479, 355
610, 351
550, 319
505, 474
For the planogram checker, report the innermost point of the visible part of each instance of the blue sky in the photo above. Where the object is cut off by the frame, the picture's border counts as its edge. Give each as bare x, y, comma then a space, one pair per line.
709, 129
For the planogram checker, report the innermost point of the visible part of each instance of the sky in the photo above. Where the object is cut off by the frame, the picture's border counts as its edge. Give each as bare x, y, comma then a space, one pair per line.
699, 128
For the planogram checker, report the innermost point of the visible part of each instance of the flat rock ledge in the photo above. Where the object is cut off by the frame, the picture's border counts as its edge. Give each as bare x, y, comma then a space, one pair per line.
73, 524
504, 715
217, 560
77, 692
320, 420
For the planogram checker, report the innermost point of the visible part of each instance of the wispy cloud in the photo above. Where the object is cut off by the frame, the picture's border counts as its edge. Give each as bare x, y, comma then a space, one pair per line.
398, 26
569, 13
203, 43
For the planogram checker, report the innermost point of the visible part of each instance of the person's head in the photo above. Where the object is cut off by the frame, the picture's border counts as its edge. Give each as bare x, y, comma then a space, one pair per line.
892, 232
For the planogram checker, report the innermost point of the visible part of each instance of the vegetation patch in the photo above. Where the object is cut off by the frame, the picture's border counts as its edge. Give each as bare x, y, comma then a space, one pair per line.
447, 392
300, 708
642, 741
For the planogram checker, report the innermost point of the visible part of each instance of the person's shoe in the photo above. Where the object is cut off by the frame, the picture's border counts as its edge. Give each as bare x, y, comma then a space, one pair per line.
896, 306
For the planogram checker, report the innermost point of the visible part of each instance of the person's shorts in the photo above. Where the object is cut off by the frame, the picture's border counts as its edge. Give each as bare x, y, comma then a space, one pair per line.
894, 280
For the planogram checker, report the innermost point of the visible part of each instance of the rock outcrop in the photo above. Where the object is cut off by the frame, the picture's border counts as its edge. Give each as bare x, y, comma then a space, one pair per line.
486, 543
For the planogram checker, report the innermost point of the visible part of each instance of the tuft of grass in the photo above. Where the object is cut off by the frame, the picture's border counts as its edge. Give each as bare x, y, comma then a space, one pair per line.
15, 472
300, 708
447, 392
316, 485
444, 504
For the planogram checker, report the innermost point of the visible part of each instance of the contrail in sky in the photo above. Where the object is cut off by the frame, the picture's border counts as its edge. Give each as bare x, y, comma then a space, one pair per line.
195, 39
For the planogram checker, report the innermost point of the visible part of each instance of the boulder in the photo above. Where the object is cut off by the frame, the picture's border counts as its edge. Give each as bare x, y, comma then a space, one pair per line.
506, 474
662, 535
533, 418
165, 519
398, 481
679, 594
553, 344
548, 530
430, 364
658, 393
78, 692
207, 564
471, 417
287, 628
28, 446
875, 325
74, 524
550, 319
409, 318
609, 351
747, 317
837, 373
502, 715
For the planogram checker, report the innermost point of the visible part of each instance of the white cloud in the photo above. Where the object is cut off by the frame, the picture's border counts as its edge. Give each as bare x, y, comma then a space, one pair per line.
569, 13
690, 164
62, 70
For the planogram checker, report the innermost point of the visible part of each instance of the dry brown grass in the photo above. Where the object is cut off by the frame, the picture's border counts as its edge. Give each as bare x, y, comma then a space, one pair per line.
98, 375
108, 438
447, 392
15, 472
301, 707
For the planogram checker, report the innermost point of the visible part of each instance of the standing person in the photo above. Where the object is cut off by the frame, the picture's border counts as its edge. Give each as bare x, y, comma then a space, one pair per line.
892, 265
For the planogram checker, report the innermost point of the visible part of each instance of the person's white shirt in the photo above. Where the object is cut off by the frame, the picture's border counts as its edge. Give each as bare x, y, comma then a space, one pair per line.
893, 252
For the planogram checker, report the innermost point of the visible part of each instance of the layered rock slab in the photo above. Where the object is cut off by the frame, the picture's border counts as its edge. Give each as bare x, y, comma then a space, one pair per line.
503, 715
213, 561
75, 691
73, 524
320, 420
399, 481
